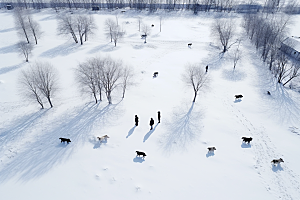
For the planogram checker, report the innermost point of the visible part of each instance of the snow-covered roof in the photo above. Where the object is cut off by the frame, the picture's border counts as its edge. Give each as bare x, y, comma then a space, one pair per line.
293, 42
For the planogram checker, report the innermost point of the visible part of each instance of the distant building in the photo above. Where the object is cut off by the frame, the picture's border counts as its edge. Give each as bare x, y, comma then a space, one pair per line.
95, 8
9, 7
291, 46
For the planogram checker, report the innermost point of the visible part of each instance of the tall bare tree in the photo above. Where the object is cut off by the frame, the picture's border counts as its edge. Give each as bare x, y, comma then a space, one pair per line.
29, 86
25, 49
47, 79
126, 79
34, 28
117, 34
39, 81
66, 26
111, 74
21, 23
146, 30
110, 25
84, 25
195, 76
224, 31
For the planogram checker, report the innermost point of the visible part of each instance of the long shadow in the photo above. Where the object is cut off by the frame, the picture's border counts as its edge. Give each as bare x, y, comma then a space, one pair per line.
47, 152
7, 30
9, 49
5, 70
130, 132
149, 133
182, 131
61, 50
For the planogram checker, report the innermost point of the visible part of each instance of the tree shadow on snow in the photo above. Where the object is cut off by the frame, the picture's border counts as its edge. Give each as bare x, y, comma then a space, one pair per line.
277, 168
62, 50
46, 151
5, 70
233, 75
182, 131
138, 159
130, 132
149, 133
9, 49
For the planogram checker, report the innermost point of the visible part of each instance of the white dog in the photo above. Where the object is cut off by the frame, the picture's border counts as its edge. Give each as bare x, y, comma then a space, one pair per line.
103, 138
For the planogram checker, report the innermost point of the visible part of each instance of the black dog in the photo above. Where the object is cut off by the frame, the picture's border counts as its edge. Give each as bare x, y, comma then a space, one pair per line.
238, 96
211, 149
277, 161
245, 139
140, 153
155, 74
64, 140
143, 36
189, 44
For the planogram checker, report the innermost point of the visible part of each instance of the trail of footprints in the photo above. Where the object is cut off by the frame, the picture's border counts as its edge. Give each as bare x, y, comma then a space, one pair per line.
281, 181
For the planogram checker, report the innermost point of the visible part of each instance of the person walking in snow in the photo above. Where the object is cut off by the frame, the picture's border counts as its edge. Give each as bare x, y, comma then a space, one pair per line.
206, 68
136, 120
158, 116
151, 123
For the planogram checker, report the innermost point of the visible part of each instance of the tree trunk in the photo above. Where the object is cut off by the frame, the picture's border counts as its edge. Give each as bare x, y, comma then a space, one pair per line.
49, 100
195, 97
95, 97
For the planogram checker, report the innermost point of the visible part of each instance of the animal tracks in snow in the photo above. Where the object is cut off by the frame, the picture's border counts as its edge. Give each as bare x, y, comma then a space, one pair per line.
279, 180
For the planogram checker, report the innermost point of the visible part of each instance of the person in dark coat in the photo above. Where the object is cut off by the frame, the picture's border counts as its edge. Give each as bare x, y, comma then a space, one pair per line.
136, 120
206, 68
151, 123
158, 116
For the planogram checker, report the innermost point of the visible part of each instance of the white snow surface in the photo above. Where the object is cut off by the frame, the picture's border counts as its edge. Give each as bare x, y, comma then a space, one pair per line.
35, 165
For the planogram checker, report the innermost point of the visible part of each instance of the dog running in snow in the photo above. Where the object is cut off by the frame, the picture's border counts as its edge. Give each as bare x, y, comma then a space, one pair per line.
277, 161
248, 140
103, 138
211, 149
64, 140
140, 153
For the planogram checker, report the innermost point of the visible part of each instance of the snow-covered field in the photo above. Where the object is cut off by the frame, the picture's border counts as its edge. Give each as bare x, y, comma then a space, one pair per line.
35, 165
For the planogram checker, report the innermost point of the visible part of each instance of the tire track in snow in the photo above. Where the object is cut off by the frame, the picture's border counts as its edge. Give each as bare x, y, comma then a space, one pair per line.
280, 181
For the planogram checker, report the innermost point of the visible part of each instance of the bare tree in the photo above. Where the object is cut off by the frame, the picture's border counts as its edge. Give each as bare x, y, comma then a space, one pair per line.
111, 74
21, 23
83, 26
237, 56
285, 70
194, 76
66, 26
29, 86
110, 25
224, 31
160, 22
25, 49
126, 79
87, 77
146, 30
139, 22
47, 79
103, 74
117, 34
34, 28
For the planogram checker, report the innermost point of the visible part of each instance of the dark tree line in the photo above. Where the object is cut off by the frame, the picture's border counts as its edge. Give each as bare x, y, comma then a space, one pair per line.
268, 6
